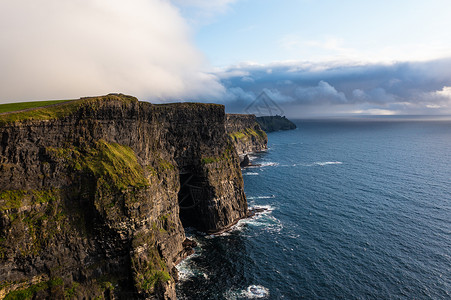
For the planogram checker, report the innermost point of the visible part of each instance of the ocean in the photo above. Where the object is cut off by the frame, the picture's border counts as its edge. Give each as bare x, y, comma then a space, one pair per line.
355, 209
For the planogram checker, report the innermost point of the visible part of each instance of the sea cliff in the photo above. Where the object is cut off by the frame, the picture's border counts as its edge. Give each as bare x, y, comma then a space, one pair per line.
246, 133
94, 194
275, 123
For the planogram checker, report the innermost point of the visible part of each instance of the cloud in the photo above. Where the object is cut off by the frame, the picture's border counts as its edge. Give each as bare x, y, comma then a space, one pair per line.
445, 92
216, 5
332, 88
201, 12
66, 49
322, 93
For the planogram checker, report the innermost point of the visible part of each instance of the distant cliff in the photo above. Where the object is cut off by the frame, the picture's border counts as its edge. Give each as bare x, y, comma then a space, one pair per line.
94, 194
275, 123
246, 133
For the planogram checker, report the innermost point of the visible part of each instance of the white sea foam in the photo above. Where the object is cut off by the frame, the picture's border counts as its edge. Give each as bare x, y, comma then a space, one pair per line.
186, 268
267, 208
261, 197
252, 292
325, 163
251, 174
256, 292
262, 219
269, 164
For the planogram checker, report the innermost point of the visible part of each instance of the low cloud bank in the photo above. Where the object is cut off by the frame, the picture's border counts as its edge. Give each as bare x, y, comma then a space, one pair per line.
321, 89
66, 49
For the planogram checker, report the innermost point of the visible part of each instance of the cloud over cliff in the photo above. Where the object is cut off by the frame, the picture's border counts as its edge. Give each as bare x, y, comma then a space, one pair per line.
63, 49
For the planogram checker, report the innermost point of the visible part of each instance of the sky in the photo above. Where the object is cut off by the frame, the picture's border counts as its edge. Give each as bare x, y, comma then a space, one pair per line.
311, 57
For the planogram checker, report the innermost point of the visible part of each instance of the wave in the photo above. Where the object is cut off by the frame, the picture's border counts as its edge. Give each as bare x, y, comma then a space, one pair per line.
252, 292
325, 163
261, 197
186, 268
256, 292
251, 174
261, 219
263, 165
266, 208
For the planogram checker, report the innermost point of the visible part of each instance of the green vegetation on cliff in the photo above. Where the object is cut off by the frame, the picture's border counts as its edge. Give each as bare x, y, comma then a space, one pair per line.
31, 291
27, 221
114, 165
13, 199
225, 156
248, 134
153, 270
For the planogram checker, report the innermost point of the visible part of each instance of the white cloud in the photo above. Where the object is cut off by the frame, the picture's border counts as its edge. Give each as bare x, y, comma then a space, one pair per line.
374, 111
65, 49
445, 92
203, 11
277, 96
216, 5
376, 95
322, 93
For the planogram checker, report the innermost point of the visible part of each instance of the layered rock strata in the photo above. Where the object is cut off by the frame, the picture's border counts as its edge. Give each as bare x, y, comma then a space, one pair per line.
94, 195
246, 134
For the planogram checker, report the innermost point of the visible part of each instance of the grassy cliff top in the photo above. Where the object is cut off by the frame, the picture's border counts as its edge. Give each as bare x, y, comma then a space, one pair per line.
13, 107
47, 110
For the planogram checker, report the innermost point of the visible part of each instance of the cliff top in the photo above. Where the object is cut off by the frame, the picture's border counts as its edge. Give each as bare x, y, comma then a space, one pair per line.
47, 110
275, 123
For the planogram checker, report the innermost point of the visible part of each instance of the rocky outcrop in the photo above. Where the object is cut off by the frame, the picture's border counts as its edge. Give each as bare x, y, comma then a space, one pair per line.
246, 134
275, 123
94, 195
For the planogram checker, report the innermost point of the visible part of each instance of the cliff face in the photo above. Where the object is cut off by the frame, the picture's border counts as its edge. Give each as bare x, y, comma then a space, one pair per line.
246, 133
275, 123
94, 195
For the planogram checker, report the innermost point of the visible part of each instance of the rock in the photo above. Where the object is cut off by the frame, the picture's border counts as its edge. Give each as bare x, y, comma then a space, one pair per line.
246, 134
245, 162
91, 195
275, 123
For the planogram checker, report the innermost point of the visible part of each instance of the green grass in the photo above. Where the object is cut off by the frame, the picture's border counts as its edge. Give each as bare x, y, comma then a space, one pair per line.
12, 199
32, 290
247, 134
10, 107
66, 108
113, 164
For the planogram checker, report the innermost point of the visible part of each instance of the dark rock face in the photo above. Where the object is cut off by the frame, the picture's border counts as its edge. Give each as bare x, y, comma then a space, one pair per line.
92, 201
246, 134
275, 123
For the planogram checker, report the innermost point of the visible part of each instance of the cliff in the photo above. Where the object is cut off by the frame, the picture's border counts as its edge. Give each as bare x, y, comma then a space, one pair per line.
275, 123
246, 134
94, 194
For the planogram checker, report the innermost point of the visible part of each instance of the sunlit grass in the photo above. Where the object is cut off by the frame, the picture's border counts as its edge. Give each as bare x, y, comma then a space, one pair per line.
10, 107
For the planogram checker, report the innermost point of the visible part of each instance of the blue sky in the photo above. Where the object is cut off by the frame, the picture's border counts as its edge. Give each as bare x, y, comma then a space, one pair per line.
313, 57
266, 31
324, 57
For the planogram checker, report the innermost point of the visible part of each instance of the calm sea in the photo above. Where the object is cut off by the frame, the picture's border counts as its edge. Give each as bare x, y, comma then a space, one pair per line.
355, 210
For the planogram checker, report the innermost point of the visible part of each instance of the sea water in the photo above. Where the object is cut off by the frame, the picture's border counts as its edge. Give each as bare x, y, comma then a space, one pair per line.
354, 210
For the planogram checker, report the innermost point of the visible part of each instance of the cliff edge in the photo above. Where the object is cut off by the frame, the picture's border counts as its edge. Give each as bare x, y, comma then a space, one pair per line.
95, 192
275, 123
246, 134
